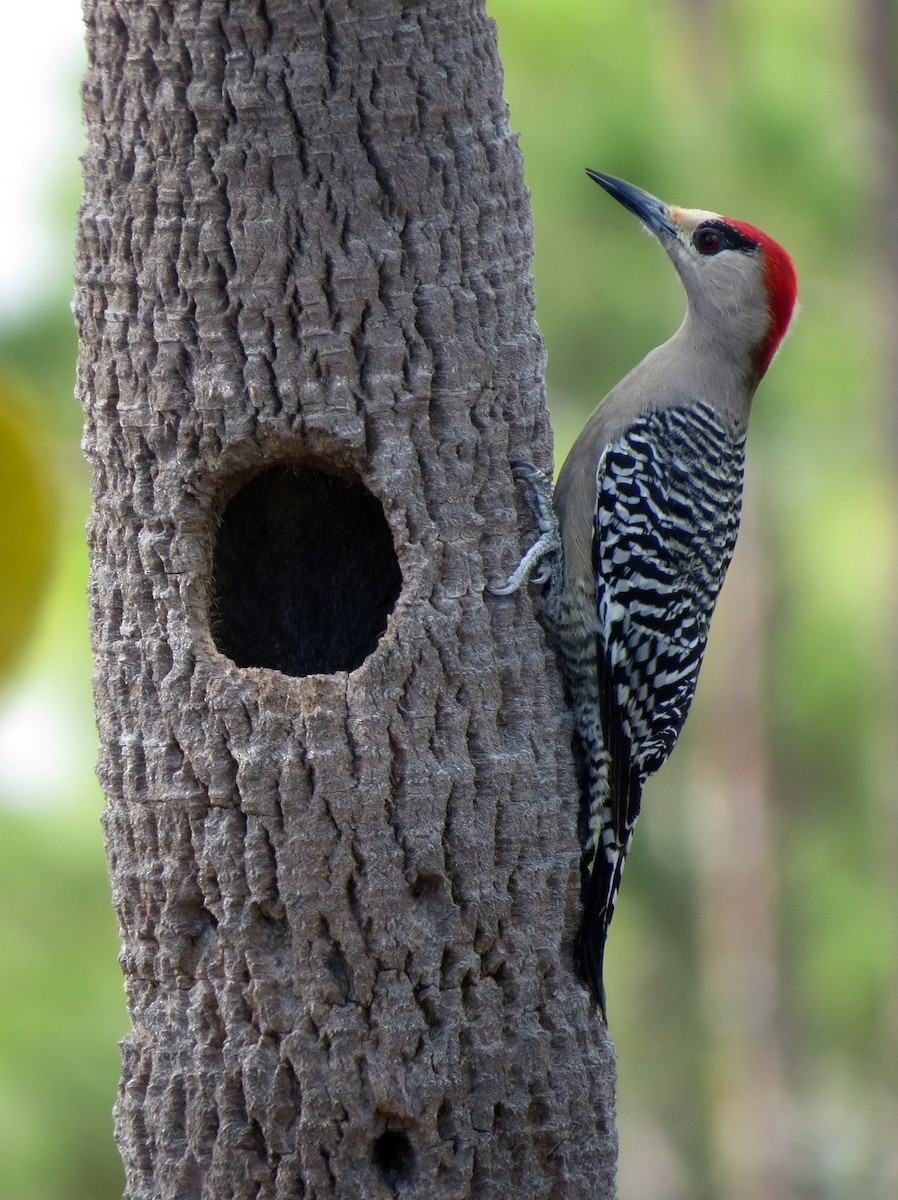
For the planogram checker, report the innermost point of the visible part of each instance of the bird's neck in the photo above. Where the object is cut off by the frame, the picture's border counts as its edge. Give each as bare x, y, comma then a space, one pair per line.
716, 354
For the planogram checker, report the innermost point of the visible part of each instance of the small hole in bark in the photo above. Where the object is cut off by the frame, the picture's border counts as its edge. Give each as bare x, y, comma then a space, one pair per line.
425, 884
394, 1157
305, 573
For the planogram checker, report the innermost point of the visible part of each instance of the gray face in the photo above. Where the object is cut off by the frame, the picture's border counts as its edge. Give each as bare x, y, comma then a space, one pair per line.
720, 266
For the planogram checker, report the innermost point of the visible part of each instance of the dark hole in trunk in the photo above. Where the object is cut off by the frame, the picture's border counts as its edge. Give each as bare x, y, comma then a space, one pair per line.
394, 1157
305, 573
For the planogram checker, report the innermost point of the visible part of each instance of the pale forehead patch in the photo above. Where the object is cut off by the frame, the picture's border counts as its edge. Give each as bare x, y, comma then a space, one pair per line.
689, 219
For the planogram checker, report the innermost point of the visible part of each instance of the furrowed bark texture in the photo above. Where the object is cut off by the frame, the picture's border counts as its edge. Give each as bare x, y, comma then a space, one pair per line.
341, 831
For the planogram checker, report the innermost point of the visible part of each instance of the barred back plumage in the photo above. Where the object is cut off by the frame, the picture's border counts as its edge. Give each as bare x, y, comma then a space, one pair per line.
668, 501
669, 495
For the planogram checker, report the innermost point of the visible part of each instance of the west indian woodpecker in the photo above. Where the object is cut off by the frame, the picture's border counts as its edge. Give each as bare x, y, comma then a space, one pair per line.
638, 534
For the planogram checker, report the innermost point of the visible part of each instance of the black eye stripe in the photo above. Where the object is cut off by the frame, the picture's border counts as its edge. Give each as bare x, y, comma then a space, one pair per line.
730, 238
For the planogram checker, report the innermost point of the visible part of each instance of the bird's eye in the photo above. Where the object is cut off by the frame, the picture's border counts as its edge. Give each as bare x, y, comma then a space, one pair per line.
708, 241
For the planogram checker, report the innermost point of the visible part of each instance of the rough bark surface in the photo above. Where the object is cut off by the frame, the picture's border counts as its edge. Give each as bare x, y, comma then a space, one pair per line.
346, 899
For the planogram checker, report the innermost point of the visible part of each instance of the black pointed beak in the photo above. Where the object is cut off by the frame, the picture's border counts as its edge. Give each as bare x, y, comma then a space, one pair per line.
653, 213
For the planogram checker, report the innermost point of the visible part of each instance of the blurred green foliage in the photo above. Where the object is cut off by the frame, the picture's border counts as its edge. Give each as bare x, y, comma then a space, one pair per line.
26, 514
756, 110
62, 1009
62, 1006
61, 1013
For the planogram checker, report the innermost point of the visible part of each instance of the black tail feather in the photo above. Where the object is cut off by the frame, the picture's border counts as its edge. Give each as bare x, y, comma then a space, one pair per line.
600, 883
589, 951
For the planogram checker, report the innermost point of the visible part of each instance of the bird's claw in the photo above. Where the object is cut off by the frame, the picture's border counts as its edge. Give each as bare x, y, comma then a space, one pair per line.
538, 495
542, 557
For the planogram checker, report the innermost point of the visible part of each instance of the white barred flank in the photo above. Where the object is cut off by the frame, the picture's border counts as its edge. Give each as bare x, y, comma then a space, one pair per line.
668, 501
631, 638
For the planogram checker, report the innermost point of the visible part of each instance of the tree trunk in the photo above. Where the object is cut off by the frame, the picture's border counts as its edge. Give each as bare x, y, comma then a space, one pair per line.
341, 810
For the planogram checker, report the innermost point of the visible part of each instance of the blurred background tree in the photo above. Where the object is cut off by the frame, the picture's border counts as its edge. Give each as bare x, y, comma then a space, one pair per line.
753, 968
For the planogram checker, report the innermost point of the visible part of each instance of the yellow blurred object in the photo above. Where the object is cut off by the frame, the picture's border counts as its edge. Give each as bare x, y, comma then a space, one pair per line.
26, 523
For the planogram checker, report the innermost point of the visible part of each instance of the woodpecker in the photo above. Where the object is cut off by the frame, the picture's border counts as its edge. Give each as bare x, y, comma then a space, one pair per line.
637, 536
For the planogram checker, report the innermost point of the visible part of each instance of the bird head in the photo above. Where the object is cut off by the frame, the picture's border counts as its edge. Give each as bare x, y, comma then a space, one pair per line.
738, 280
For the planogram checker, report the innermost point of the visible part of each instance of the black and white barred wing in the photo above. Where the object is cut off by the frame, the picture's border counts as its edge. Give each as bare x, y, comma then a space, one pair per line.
669, 495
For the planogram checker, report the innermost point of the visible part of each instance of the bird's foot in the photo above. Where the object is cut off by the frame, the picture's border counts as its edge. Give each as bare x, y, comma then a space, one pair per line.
542, 562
